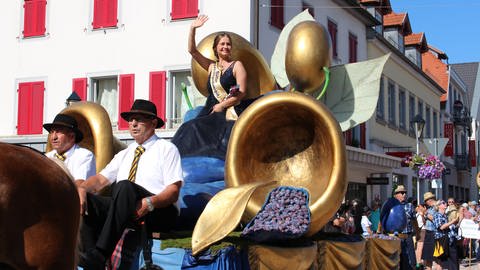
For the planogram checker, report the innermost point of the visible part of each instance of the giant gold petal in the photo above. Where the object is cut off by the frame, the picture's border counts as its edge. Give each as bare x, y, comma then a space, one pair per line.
304, 148
222, 215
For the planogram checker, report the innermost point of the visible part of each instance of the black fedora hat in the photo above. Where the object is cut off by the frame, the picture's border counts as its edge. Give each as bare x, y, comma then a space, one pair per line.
63, 120
145, 107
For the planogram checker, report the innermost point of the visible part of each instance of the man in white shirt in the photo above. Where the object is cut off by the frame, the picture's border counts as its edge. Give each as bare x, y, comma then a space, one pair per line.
146, 179
63, 135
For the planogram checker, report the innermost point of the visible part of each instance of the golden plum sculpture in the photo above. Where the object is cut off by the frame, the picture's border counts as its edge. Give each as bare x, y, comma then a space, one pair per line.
307, 52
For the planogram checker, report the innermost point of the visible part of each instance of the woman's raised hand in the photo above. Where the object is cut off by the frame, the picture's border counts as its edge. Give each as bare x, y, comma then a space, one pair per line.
199, 21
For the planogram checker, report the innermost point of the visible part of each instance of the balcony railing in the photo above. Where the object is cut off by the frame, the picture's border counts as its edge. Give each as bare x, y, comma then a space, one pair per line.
462, 163
461, 116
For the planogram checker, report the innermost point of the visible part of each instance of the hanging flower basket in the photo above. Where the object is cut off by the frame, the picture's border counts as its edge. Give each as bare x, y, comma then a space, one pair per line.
427, 167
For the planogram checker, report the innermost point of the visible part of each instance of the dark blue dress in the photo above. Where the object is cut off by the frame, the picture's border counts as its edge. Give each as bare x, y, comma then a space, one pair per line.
208, 133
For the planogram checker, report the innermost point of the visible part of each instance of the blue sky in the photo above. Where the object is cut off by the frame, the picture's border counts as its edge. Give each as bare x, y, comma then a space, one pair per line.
452, 26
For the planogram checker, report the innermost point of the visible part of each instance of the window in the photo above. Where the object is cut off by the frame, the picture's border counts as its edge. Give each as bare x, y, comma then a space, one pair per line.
411, 113
276, 14
381, 101
391, 103
178, 104
352, 48
104, 13
34, 18
30, 107
184, 9
379, 17
428, 123
401, 46
435, 125
105, 93
311, 10
450, 98
420, 108
402, 106
332, 29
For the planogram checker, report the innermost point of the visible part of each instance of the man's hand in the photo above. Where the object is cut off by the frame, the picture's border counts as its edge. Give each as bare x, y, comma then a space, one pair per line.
142, 209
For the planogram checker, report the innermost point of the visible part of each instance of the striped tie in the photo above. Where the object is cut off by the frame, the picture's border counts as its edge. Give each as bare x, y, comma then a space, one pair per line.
60, 157
133, 170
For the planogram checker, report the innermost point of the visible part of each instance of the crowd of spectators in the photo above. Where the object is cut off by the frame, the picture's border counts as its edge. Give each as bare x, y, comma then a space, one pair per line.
433, 220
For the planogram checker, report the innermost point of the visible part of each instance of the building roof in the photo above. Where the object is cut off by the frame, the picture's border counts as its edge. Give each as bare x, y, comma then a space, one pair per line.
417, 39
394, 19
381, 4
399, 20
469, 72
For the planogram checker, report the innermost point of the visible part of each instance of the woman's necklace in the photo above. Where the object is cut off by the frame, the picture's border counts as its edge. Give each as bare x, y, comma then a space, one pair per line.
222, 67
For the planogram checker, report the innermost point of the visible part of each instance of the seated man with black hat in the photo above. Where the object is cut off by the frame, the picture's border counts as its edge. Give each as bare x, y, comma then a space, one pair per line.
146, 178
63, 135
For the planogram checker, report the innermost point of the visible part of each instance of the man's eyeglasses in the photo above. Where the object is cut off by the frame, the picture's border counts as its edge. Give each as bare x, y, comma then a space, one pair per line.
450, 202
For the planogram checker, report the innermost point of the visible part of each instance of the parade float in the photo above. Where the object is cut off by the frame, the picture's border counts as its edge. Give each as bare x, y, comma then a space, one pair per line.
288, 141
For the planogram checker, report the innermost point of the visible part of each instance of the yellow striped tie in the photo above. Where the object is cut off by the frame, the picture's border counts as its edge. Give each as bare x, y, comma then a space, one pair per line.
133, 170
60, 157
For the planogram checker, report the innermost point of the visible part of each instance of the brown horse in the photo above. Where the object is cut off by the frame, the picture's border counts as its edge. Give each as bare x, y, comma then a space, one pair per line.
39, 212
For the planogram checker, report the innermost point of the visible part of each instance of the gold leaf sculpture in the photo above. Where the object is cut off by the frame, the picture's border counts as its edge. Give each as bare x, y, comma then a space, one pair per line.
222, 215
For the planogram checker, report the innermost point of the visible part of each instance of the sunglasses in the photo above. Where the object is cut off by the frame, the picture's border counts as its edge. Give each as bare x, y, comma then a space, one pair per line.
402, 192
451, 202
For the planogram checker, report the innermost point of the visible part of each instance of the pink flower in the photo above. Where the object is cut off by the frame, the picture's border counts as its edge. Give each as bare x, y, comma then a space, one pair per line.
427, 167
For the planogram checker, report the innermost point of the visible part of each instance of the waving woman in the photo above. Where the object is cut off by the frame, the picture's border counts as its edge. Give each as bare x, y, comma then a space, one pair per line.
207, 135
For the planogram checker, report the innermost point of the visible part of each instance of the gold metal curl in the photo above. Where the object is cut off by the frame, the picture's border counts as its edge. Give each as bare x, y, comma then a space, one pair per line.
95, 125
259, 77
294, 140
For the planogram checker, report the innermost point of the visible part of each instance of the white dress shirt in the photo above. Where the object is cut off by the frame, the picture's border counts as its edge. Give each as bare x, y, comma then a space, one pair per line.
158, 167
79, 161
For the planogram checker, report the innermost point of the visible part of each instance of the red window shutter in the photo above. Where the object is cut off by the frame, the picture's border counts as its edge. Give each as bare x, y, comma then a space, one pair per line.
79, 85
276, 14
348, 136
332, 29
182, 9
192, 9
34, 18
448, 131
352, 44
24, 97
30, 108
111, 17
363, 136
37, 107
125, 100
472, 153
157, 91
105, 13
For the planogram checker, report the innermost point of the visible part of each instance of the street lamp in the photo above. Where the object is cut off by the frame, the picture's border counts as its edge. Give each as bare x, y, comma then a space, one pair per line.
418, 124
72, 98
